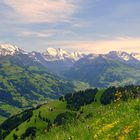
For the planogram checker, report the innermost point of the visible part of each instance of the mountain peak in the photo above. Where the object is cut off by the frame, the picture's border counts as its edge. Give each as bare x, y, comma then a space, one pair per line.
53, 54
8, 49
119, 54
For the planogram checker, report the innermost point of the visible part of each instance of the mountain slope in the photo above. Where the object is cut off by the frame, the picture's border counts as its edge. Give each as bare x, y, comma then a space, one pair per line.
99, 70
103, 71
129, 59
101, 123
24, 82
93, 120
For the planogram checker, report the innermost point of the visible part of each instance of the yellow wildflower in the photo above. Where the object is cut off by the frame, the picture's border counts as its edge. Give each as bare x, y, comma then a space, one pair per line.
121, 138
127, 129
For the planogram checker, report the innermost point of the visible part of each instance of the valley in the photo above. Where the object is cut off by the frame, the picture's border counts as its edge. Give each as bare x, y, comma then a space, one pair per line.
40, 99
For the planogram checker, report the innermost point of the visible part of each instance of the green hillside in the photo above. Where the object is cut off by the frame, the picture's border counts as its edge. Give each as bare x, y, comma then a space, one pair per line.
25, 83
111, 113
117, 121
102, 72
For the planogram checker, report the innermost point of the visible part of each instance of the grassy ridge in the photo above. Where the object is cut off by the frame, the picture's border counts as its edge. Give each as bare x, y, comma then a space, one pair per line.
117, 121
35, 121
54, 121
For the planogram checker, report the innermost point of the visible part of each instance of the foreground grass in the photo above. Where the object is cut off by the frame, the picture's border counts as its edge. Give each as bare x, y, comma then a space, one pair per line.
115, 122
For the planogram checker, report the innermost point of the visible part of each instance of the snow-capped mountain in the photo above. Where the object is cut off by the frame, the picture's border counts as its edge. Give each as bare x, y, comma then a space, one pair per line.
99, 70
59, 60
56, 60
122, 56
129, 59
52, 54
8, 49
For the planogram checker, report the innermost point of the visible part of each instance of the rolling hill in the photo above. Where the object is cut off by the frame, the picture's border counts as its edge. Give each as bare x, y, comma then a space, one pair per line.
24, 83
111, 113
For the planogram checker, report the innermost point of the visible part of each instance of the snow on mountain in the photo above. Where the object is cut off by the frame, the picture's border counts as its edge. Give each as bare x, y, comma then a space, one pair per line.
53, 54
136, 56
122, 56
8, 49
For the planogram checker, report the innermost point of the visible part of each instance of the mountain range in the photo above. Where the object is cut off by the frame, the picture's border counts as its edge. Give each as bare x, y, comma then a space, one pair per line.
30, 78
99, 70
56, 55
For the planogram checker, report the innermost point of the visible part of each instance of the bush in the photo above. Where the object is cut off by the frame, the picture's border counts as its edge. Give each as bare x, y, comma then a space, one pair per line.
65, 117
31, 131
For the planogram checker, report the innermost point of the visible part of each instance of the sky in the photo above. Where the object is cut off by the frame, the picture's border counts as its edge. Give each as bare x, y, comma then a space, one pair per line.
96, 26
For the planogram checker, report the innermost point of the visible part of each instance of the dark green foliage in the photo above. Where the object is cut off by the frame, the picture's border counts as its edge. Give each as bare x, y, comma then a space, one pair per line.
4, 113
88, 116
77, 99
30, 132
17, 129
13, 122
65, 118
137, 108
114, 94
108, 95
15, 137
49, 125
61, 98
27, 114
129, 91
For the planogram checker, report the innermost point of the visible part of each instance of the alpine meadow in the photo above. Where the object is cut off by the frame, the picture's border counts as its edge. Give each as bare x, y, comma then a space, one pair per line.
70, 70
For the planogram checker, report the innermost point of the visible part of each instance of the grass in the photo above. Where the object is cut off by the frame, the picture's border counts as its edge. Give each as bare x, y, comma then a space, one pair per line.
2, 119
116, 121
58, 107
10, 109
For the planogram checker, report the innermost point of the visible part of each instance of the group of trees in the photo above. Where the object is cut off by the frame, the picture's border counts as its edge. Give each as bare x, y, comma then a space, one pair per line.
30, 132
45, 120
65, 117
4, 113
13, 122
114, 94
77, 99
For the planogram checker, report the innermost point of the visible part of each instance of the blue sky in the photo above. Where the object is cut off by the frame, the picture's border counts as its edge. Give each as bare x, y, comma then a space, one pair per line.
81, 25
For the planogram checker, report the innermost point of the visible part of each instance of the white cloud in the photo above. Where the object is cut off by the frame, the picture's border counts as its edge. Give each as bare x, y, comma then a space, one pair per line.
31, 11
43, 33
